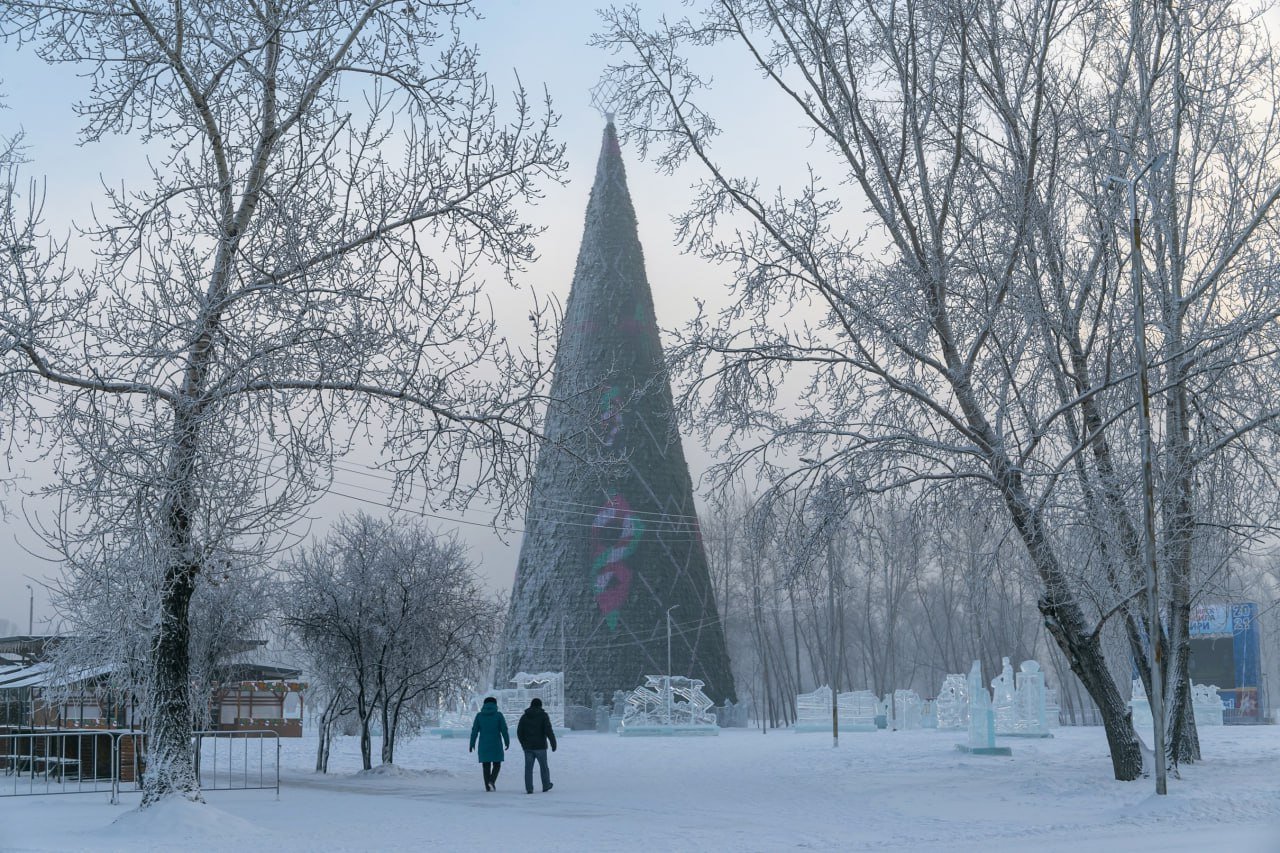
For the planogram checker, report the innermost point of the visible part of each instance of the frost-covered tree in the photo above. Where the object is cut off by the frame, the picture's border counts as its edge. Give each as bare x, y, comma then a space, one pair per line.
108, 603
327, 181
397, 616
981, 329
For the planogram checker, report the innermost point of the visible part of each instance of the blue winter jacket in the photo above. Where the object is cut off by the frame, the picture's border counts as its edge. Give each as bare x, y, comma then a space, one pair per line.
491, 728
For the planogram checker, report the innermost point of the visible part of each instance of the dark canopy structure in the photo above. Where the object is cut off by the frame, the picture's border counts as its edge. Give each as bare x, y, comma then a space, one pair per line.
612, 543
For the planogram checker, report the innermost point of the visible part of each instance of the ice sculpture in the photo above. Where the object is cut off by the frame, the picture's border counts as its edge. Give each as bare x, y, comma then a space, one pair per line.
454, 715
884, 712
953, 703
1140, 708
1030, 717
669, 705
856, 711
731, 716
813, 711
451, 724
1002, 688
982, 721
929, 714
1206, 705
547, 686
906, 710
1052, 710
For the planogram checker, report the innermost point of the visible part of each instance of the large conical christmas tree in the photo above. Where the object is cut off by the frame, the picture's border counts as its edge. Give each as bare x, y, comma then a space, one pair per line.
611, 538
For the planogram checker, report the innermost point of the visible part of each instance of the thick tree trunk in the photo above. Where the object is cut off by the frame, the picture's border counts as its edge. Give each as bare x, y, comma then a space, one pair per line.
1084, 655
322, 744
1184, 740
1178, 511
170, 759
1066, 623
388, 734
366, 742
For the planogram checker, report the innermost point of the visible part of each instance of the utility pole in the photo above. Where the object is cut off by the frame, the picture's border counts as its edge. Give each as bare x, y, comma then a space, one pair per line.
669, 609
1148, 479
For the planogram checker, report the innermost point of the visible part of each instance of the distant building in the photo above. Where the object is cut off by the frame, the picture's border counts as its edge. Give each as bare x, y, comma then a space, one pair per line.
1226, 651
37, 694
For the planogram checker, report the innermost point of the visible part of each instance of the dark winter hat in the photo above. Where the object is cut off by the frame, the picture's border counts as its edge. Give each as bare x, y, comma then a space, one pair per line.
489, 699
535, 702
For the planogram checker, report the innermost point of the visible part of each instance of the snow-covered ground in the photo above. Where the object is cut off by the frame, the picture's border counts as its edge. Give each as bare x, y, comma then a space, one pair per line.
738, 792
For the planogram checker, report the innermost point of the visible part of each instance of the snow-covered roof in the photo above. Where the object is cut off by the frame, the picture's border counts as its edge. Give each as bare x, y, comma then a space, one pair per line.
44, 675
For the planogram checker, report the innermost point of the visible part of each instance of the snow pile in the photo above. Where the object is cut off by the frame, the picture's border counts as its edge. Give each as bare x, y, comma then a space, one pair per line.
395, 771
177, 823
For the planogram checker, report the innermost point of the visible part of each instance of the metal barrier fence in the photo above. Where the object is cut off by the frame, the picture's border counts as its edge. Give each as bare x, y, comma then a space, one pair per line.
57, 762
237, 765
114, 761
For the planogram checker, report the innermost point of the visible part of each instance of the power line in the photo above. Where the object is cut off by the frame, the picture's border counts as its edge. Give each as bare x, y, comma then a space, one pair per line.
591, 509
554, 644
690, 532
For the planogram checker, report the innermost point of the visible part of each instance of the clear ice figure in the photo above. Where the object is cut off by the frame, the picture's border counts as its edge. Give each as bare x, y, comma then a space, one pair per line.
1052, 708
1002, 688
1030, 713
1140, 709
953, 703
512, 701
1206, 705
982, 723
673, 704
813, 710
858, 711
906, 710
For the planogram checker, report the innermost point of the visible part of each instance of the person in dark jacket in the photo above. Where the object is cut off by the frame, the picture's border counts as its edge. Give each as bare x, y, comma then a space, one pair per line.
490, 728
534, 733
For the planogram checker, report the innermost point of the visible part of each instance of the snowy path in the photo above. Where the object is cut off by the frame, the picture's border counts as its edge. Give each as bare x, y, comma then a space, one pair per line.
738, 792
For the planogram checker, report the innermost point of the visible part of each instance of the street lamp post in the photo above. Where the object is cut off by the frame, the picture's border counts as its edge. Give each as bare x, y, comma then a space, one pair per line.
669, 609
31, 609
833, 655
1148, 485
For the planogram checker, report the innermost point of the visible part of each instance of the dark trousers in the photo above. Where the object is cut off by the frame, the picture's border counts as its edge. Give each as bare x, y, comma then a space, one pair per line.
491, 770
541, 756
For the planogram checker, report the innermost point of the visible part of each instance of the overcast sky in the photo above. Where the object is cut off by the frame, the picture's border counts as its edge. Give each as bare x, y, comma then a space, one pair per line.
546, 42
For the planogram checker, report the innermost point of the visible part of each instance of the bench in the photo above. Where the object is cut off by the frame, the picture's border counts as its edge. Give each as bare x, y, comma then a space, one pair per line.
51, 766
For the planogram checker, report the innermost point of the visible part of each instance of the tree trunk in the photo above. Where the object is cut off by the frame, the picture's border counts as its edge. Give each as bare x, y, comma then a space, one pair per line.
322, 745
366, 740
170, 759
1184, 740
1084, 653
328, 718
388, 734
1065, 622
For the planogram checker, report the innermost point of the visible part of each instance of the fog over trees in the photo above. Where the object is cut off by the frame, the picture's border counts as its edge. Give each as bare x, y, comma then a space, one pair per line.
978, 336
918, 378
300, 267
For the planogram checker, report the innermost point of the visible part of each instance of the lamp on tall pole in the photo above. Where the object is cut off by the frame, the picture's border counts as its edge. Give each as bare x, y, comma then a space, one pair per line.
1148, 479
833, 654
834, 497
31, 609
669, 609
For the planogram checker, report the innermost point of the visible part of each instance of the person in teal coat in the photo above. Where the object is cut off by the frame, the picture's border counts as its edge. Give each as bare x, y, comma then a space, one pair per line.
490, 728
